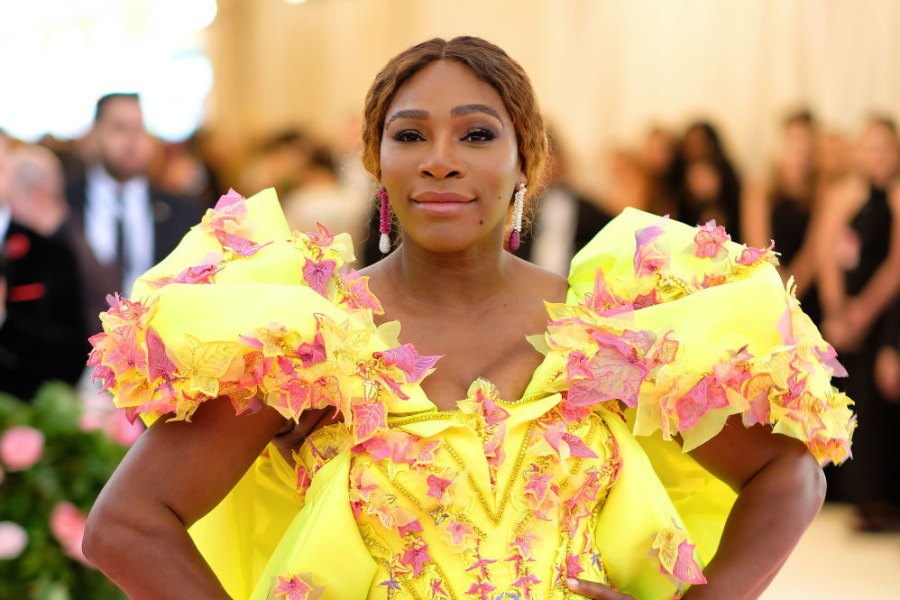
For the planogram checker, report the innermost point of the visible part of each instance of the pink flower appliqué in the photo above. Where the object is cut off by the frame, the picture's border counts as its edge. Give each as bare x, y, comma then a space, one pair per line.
565, 443
602, 300
437, 488
322, 237
676, 556
573, 566
750, 256
459, 532
615, 376
21, 447
239, 245
706, 395
416, 556
649, 258
710, 240
312, 353
318, 274
357, 294
367, 419
413, 365
293, 588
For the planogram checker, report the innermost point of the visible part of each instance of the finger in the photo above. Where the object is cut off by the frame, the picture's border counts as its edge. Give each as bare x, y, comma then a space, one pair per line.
595, 591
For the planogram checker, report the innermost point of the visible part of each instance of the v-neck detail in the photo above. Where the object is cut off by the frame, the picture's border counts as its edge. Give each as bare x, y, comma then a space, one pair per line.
543, 374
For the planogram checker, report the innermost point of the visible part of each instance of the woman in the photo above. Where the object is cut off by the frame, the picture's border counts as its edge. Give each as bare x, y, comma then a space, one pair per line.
708, 186
783, 209
444, 486
859, 259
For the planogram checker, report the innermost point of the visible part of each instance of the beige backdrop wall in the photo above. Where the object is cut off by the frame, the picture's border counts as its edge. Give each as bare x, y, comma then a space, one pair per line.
604, 69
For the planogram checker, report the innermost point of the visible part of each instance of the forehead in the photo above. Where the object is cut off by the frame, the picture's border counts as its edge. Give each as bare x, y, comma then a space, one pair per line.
443, 85
117, 109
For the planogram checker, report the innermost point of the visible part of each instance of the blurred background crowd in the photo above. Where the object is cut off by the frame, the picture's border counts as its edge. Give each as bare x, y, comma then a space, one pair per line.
790, 141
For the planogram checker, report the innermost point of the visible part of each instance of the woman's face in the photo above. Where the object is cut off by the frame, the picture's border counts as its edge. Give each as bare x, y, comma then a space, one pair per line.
449, 159
879, 154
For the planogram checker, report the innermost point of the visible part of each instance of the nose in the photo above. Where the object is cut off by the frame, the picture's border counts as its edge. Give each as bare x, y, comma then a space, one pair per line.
441, 161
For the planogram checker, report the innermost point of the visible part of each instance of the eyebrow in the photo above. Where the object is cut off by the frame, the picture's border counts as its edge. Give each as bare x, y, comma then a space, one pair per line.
457, 111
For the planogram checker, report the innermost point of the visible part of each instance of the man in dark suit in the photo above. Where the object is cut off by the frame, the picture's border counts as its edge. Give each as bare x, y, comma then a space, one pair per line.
128, 224
42, 333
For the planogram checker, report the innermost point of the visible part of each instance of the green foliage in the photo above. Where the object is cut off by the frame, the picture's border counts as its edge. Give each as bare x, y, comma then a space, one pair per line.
73, 468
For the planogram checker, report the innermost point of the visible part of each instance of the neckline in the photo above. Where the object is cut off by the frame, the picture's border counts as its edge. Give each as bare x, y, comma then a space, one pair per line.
408, 407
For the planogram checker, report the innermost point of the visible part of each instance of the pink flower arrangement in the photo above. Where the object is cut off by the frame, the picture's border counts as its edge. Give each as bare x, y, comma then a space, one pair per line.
13, 540
67, 526
21, 447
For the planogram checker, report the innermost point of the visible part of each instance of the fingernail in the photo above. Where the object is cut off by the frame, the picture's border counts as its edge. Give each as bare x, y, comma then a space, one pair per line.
571, 582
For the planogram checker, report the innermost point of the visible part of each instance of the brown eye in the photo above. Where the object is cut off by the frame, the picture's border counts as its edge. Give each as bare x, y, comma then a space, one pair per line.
408, 135
479, 135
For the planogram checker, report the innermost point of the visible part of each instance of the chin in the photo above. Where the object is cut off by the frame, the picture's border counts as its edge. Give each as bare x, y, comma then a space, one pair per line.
449, 242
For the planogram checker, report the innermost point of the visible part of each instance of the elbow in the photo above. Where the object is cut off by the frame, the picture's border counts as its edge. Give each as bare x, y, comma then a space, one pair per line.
810, 483
96, 543
106, 539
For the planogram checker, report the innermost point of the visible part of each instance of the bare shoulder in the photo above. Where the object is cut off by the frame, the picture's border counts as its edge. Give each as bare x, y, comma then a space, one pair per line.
894, 196
537, 282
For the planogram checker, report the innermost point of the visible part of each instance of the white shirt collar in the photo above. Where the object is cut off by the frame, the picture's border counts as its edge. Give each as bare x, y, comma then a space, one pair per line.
104, 183
5, 219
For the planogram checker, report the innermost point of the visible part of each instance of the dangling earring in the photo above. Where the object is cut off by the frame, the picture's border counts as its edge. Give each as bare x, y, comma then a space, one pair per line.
384, 221
515, 236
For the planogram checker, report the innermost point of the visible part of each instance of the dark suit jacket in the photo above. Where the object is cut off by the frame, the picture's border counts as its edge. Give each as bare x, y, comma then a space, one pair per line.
173, 216
43, 336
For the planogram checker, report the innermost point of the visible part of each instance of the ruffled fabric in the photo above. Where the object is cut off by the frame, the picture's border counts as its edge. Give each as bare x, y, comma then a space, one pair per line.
687, 328
245, 309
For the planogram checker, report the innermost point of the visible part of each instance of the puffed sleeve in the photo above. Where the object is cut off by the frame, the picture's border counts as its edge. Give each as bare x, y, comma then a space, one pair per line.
687, 328
246, 309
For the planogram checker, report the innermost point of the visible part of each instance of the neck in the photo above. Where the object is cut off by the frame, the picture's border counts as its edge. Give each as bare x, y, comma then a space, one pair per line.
450, 280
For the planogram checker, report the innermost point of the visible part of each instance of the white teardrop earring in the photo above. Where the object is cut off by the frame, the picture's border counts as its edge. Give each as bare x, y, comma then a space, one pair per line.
515, 236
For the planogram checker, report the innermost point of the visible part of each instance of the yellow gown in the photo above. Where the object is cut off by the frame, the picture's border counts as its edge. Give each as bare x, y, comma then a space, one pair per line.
667, 331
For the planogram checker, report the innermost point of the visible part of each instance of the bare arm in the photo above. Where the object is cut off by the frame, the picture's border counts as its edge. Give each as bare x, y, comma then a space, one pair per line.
780, 490
176, 472
831, 283
756, 215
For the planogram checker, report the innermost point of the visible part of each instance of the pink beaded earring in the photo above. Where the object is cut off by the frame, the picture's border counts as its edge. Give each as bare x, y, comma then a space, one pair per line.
384, 221
515, 236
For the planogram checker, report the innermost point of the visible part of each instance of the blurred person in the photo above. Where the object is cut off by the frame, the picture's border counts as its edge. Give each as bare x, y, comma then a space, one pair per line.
782, 208
128, 224
707, 185
42, 335
47, 211
40, 173
833, 158
658, 155
321, 198
887, 361
629, 183
184, 170
858, 249
564, 218
71, 154
279, 162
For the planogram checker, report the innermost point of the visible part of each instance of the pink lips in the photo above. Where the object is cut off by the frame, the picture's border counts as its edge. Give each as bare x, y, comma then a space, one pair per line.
441, 203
